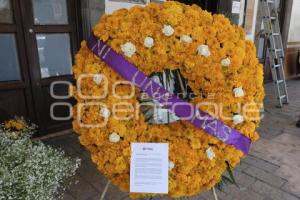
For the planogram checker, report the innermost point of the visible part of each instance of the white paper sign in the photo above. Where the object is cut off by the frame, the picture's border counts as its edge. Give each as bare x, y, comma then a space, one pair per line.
236, 7
149, 168
112, 5
45, 72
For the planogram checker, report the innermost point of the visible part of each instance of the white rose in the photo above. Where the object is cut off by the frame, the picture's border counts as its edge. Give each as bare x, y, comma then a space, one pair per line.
171, 165
168, 30
148, 42
128, 48
210, 153
97, 78
114, 137
225, 62
104, 112
186, 39
203, 50
239, 92
237, 119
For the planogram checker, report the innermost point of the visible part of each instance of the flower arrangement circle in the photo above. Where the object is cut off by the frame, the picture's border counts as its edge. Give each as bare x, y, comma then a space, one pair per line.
216, 60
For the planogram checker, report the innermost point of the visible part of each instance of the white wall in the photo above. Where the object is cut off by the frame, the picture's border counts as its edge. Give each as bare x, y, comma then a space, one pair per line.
294, 32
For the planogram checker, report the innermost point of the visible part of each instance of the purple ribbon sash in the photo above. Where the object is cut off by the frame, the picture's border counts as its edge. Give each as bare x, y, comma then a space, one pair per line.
184, 110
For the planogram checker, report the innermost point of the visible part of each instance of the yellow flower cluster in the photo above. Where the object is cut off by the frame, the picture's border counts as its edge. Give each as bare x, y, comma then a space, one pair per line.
194, 171
15, 124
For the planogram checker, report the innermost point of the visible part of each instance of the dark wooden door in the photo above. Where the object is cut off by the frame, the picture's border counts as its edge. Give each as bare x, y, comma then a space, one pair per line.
15, 87
50, 37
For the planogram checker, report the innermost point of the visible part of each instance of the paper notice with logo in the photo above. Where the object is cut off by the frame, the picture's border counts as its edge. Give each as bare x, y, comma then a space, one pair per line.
236, 7
149, 168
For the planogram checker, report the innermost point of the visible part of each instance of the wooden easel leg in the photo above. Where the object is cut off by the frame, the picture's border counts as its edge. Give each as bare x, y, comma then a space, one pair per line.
105, 190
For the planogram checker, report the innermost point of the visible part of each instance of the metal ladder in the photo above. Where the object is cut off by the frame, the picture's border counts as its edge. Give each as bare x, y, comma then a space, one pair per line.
275, 50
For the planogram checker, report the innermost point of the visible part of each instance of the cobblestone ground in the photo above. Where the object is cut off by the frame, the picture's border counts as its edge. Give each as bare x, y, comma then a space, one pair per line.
270, 172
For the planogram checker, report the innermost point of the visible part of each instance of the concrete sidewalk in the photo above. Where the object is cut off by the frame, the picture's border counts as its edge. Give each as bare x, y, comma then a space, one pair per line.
270, 172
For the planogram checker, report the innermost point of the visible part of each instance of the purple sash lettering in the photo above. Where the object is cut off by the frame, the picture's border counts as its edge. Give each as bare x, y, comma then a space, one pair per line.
184, 110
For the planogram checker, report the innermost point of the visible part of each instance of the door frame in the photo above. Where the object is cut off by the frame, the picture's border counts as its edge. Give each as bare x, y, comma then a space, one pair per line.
31, 82
24, 83
285, 19
37, 83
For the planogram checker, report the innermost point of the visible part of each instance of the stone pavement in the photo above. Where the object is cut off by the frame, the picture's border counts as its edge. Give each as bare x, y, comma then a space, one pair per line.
270, 172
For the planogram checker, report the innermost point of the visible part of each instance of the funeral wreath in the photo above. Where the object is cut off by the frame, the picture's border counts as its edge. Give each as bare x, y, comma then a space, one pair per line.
202, 59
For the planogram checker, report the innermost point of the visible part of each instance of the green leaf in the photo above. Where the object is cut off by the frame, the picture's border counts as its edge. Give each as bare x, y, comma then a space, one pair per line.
227, 180
229, 170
